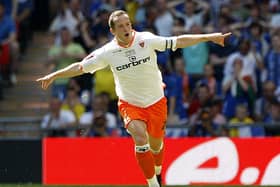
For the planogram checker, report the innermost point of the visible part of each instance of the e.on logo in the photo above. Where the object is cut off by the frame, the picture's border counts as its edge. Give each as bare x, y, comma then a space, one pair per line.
272, 174
186, 168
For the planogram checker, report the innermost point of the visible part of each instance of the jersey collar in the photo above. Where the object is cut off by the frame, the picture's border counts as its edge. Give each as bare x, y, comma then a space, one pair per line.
130, 42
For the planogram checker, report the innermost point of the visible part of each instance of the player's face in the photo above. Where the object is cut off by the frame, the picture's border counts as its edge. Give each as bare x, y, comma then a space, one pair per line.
122, 29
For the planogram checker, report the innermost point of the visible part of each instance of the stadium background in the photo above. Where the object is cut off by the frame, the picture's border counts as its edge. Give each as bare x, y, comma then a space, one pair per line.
23, 103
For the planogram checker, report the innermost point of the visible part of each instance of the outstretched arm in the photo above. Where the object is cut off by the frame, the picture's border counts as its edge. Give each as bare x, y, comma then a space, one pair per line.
72, 70
186, 40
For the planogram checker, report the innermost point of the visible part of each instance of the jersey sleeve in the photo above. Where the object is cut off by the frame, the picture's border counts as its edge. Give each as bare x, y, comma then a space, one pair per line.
94, 61
161, 43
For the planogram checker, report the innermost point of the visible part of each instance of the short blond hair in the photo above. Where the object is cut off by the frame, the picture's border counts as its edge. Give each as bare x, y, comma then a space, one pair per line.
114, 15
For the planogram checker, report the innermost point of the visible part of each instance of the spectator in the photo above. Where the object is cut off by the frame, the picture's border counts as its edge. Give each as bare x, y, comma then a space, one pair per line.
131, 7
84, 95
110, 105
241, 118
196, 56
181, 98
263, 103
141, 15
194, 14
9, 45
98, 127
216, 112
94, 33
99, 104
1, 87
63, 55
273, 119
86, 7
240, 10
151, 15
274, 22
10, 7
68, 17
72, 103
4, 64
259, 49
251, 61
99, 27
104, 83
256, 16
272, 61
62, 19
173, 92
57, 119
73, 83
179, 68
238, 89
23, 19
266, 9
205, 126
85, 38
274, 112
209, 79
224, 21
75, 9
200, 98
218, 55
215, 6
257, 38
226, 12
164, 20
92, 7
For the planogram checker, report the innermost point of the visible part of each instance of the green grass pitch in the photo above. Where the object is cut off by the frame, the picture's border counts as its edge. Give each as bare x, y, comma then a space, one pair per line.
39, 185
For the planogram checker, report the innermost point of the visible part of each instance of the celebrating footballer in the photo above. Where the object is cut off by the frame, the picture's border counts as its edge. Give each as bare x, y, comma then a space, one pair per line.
132, 58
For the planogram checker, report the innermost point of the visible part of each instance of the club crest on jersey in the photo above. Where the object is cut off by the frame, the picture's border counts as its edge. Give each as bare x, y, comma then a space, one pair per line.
141, 43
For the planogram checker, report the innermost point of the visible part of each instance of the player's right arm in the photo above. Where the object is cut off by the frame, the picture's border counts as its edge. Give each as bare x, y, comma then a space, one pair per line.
72, 70
93, 62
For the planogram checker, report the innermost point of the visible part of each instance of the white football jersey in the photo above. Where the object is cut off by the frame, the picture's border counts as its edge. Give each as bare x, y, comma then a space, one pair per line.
137, 77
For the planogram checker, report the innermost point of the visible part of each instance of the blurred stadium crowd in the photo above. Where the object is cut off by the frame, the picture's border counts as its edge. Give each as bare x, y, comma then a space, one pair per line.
208, 87
15, 34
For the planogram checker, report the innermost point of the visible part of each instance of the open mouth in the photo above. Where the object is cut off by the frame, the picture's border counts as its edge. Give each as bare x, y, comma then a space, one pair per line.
126, 35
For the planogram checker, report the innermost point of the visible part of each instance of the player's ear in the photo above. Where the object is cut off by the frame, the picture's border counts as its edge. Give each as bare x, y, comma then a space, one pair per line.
112, 31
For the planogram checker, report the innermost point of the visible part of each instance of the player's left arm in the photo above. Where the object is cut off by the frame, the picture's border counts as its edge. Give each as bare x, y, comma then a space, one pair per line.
186, 40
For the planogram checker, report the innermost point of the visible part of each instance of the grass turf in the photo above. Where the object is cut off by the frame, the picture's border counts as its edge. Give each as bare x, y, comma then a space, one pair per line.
39, 185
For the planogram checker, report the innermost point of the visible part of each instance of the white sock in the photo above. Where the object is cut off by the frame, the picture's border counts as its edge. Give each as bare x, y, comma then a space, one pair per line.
153, 182
158, 170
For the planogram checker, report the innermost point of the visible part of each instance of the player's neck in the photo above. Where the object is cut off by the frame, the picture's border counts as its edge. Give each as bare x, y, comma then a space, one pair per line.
128, 42
122, 42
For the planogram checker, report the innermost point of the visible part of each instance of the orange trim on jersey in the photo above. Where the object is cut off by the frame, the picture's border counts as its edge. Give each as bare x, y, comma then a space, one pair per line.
130, 42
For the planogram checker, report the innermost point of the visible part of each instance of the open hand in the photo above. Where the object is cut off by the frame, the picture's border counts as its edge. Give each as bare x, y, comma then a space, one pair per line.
46, 81
220, 39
